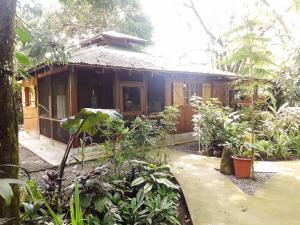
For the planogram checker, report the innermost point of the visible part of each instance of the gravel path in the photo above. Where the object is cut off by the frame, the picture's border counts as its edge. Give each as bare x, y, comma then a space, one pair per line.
38, 168
31, 161
250, 186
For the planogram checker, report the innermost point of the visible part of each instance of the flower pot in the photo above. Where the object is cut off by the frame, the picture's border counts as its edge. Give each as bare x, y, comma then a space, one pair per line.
242, 167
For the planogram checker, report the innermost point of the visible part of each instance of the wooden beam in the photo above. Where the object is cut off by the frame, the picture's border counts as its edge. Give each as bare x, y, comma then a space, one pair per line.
144, 101
117, 91
53, 71
50, 109
72, 92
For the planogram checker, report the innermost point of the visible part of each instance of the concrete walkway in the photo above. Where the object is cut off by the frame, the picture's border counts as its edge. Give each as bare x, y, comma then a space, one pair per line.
214, 200
52, 151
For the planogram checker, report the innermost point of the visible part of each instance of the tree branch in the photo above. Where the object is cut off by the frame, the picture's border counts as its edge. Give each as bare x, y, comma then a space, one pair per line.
191, 5
279, 18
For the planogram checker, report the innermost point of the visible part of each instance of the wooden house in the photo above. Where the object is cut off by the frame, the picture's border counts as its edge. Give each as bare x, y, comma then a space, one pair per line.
107, 72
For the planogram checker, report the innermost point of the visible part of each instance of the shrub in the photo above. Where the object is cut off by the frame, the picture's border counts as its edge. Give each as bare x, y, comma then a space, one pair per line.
208, 121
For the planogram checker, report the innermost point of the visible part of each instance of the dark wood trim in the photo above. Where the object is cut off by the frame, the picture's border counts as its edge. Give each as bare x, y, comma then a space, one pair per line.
117, 91
164, 72
37, 105
145, 100
50, 109
72, 93
52, 72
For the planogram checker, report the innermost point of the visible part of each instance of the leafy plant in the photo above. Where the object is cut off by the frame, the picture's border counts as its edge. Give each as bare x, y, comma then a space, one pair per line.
152, 175
87, 120
166, 127
208, 121
36, 208
6, 191
76, 214
235, 130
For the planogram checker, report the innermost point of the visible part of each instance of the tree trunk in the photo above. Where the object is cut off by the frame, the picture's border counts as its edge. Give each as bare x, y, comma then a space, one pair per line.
8, 116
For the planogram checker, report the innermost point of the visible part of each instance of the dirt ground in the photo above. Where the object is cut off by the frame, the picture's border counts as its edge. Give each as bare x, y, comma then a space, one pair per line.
37, 168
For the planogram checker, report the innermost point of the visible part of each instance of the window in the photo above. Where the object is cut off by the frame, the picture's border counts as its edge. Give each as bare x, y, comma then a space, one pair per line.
155, 94
191, 89
132, 99
60, 97
44, 96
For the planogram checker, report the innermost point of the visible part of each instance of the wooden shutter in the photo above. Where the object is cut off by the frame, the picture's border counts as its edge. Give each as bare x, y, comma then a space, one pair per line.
178, 93
206, 91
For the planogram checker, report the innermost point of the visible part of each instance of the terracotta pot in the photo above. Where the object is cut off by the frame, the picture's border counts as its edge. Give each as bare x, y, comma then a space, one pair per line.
242, 167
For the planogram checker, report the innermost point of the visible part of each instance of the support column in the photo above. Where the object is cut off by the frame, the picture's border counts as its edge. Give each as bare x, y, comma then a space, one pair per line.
72, 91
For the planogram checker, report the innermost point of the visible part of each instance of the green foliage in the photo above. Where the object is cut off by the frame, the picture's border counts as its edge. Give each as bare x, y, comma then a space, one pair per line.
236, 131
280, 129
165, 127
73, 20
76, 215
6, 191
208, 120
168, 118
249, 49
153, 174
88, 120
100, 198
140, 133
36, 209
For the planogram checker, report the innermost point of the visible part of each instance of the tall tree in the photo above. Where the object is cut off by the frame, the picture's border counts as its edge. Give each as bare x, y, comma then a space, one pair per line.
76, 20
8, 121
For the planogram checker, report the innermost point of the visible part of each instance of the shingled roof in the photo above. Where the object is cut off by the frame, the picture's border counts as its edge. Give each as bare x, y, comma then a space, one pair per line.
108, 56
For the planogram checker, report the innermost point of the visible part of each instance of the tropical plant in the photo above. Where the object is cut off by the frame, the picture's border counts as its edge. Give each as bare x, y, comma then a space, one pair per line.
76, 214
235, 130
208, 121
36, 209
152, 175
87, 120
163, 131
141, 132
161, 210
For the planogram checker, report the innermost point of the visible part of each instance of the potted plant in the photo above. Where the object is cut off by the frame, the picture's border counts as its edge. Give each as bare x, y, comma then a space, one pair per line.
242, 161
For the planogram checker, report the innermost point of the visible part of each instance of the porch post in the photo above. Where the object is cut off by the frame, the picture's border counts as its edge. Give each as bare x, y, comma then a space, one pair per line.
72, 91
117, 91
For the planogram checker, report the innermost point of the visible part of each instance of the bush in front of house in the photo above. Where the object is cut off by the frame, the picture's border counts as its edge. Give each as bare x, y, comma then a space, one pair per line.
125, 189
276, 132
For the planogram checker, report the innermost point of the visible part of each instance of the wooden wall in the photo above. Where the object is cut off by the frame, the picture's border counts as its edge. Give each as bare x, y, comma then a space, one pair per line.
30, 112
